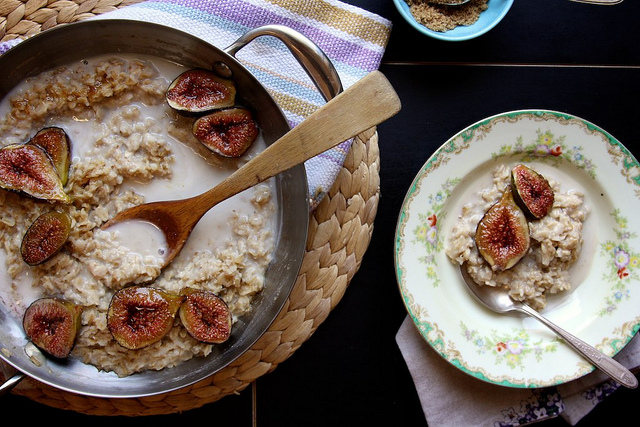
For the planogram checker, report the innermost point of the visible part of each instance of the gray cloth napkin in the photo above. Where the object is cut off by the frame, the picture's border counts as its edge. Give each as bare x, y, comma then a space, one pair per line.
450, 397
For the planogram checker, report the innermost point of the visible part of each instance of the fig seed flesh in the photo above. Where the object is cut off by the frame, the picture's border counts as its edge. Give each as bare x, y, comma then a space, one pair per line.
55, 142
229, 132
139, 316
27, 169
197, 91
532, 191
502, 235
45, 237
205, 316
52, 325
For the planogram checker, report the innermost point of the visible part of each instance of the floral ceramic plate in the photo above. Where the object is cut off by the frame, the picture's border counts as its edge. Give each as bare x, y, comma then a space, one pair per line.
603, 306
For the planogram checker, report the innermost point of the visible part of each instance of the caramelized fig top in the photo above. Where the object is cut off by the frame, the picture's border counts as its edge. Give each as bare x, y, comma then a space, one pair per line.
197, 91
228, 132
45, 237
205, 316
55, 142
26, 168
52, 324
502, 236
531, 191
139, 316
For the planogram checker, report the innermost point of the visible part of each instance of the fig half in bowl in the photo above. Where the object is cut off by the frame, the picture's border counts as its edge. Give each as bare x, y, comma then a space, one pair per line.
55, 142
502, 236
52, 325
205, 316
139, 316
229, 132
531, 191
45, 237
28, 169
197, 91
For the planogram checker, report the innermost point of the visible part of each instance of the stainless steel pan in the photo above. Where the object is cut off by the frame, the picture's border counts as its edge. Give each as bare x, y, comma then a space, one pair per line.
97, 37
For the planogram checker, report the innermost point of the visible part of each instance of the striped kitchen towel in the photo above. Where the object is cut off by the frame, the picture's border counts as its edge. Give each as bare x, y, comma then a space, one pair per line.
352, 38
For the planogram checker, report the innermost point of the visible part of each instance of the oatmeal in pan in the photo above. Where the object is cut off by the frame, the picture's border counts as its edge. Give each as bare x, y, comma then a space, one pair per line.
128, 147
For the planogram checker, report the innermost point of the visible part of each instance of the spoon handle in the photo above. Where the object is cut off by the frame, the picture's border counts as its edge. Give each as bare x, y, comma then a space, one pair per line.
9, 384
608, 365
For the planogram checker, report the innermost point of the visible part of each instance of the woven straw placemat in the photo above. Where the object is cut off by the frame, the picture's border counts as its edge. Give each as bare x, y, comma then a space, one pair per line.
339, 234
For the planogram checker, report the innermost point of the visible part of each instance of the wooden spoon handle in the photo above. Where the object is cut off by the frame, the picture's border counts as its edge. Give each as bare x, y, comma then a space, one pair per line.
362, 106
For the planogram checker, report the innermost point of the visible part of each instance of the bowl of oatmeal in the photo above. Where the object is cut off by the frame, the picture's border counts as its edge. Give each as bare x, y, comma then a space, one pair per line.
581, 267
453, 23
104, 83
556, 243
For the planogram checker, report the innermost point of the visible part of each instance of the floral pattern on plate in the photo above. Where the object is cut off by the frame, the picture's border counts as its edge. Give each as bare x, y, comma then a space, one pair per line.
623, 264
512, 348
549, 148
602, 308
426, 231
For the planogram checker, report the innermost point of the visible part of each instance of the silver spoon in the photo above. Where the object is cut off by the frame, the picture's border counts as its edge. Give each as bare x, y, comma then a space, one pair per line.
498, 300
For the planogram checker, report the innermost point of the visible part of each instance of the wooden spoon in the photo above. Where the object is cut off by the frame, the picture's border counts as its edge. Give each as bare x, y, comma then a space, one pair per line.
362, 106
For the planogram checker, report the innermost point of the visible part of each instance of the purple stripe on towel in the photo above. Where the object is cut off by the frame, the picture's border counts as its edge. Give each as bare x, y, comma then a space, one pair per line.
252, 16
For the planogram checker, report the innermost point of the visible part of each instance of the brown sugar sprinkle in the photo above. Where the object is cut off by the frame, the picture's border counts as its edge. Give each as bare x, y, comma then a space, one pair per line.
441, 18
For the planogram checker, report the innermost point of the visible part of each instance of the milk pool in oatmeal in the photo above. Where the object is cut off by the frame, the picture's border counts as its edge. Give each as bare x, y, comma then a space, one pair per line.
128, 147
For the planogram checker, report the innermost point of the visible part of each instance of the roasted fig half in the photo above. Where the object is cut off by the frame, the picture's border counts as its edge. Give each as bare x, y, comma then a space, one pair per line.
139, 316
52, 324
55, 142
205, 316
502, 236
198, 91
531, 191
229, 132
26, 168
45, 237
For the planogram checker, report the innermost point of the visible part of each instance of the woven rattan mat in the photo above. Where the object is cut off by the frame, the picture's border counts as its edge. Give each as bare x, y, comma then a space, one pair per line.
339, 234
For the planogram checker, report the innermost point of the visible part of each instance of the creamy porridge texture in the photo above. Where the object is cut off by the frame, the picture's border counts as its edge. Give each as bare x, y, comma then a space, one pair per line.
128, 147
556, 242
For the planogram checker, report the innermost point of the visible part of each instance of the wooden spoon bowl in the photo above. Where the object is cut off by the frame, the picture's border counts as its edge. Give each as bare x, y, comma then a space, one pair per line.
362, 106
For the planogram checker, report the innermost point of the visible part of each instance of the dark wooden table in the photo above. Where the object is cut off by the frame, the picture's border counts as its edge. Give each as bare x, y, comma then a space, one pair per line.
549, 54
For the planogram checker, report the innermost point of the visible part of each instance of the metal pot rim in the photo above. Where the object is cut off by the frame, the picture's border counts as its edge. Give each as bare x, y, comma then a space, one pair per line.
65, 43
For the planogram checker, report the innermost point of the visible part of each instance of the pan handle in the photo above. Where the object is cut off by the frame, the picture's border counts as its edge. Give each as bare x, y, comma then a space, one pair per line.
308, 54
9, 384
